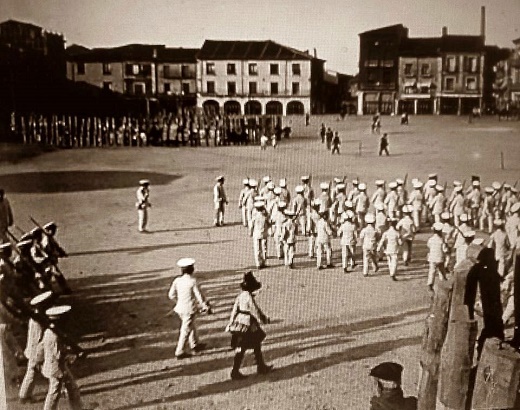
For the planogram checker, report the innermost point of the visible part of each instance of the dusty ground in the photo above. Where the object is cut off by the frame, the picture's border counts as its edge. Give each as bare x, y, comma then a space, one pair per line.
328, 327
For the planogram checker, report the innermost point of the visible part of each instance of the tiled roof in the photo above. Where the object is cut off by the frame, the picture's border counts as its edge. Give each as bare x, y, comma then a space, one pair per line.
249, 50
132, 52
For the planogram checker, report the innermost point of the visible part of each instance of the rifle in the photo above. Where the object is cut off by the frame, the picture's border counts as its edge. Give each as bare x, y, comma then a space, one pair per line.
516, 183
405, 179
61, 252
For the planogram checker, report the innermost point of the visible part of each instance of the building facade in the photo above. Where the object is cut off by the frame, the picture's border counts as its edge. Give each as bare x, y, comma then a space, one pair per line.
256, 78
506, 78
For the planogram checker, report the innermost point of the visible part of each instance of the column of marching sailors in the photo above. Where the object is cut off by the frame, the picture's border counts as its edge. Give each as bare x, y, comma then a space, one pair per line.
31, 284
273, 211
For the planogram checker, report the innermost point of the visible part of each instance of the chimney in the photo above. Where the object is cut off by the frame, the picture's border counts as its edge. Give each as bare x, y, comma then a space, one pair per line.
315, 53
444, 31
483, 22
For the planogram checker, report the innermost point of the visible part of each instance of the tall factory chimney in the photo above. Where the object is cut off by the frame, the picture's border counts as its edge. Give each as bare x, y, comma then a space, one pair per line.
483, 22
444, 31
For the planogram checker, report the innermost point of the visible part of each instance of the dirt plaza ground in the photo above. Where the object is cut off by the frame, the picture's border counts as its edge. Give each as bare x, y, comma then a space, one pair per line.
328, 328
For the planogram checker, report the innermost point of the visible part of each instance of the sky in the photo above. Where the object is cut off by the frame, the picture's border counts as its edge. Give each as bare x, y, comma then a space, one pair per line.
329, 26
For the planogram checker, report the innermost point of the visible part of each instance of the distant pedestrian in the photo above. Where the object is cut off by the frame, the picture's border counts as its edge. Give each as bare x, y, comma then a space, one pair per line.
323, 131
264, 140
274, 141
220, 201
336, 142
328, 137
142, 204
383, 144
404, 118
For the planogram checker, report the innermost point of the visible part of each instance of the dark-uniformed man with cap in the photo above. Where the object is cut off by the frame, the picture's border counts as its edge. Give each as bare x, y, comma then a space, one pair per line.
220, 201
389, 396
142, 204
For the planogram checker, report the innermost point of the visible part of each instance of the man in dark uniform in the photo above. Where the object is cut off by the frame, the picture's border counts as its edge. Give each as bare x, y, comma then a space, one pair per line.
387, 377
383, 145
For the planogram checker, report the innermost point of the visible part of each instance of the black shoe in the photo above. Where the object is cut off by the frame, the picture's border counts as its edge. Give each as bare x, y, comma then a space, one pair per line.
25, 400
238, 376
183, 356
394, 278
330, 265
265, 369
345, 270
200, 347
320, 268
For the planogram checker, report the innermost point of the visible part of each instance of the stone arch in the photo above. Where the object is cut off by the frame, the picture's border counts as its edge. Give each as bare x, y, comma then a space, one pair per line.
274, 108
232, 107
295, 108
211, 108
253, 107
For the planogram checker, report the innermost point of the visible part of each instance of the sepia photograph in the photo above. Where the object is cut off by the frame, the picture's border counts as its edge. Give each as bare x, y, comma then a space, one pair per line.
259, 205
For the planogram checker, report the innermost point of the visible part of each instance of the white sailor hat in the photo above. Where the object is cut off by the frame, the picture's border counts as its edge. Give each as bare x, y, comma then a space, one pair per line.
50, 225
496, 185
253, 183
41, 298
464, 218
305, 177
283, 182
514, 190
475, 183
344, 217
266, 179
282, 204
299, 189
407, 209
349, 204
515, 207
488, 190
392, 185
277, 190
289, 213
259, 204
355, 181
507, 186
245, 181
270, 185
370, 218
185, 262
219, 178
432, 176
56, 311
379, 182
469, 234
317, 203
350, 214
445, 215
399, 181
478, 241
24, 244
380, 207
337, 180
439, 188
498, 222
438, 226
458, 188
457, 183
431, 183
417, 184
340, 187
324, 185
362, 186
144, 182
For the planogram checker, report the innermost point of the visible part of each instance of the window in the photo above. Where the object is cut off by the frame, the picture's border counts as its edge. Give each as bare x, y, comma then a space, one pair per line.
408, 69
210, 68
107, 69
138, 69
471, 84
388, 63
80, 68
231, 88
470, 64
231, 69
371, 63
451, 64
295, 88
139, 88
107, 85
274, 88
135, 69
387, 77
296, 70
186, 72
253, 69
450, 84
253, 87
425, 69
167, 88
275, 69
186, 88
210, 87
372, 77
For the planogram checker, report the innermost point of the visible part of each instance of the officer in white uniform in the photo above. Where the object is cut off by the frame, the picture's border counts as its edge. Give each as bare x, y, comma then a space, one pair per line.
185, 291
143, 203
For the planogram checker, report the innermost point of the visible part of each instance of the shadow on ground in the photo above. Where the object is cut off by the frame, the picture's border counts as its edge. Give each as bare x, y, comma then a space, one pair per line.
77, 181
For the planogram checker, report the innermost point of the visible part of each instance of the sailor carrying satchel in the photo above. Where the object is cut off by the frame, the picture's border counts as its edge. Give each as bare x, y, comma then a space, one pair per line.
242, 323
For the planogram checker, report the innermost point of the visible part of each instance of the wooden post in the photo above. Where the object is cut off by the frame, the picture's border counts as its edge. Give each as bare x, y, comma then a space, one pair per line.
433, 339
457, 360
502, 160
498, 376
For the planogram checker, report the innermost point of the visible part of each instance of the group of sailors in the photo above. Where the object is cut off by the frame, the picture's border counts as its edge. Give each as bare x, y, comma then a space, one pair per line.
384, 222
31, 284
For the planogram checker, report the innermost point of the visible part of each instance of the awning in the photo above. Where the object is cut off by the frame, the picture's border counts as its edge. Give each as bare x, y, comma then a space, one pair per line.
409, 83
422, 84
